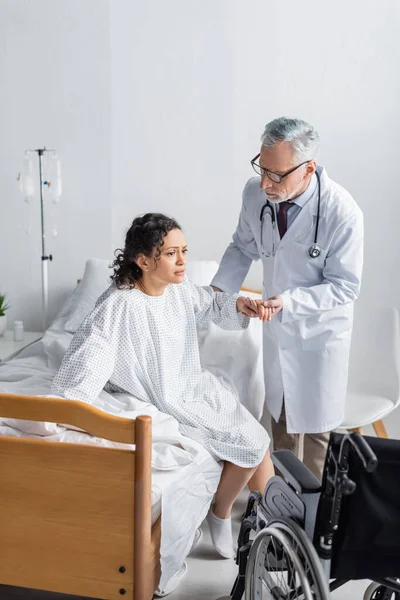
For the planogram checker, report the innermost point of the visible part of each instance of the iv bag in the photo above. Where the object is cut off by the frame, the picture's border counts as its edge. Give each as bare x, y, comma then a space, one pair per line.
26, 179
54, 177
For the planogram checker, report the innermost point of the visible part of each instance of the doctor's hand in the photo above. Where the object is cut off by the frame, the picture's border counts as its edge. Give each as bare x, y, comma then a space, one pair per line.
268, 308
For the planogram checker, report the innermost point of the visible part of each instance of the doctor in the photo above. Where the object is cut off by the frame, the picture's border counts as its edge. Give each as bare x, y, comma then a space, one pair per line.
308, 232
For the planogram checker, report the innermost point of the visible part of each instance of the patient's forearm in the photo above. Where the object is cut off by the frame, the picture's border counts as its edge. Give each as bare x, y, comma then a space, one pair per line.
216, 289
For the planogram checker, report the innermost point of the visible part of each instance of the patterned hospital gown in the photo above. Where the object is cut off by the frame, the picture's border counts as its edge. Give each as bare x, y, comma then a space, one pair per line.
148, 347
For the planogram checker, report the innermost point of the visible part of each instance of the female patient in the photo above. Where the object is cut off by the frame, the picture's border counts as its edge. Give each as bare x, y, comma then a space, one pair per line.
141, 338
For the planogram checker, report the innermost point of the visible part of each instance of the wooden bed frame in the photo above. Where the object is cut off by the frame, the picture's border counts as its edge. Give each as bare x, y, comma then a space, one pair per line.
245, 289
74, 518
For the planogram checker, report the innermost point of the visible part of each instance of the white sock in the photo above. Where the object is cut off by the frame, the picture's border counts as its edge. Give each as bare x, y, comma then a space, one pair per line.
221, 534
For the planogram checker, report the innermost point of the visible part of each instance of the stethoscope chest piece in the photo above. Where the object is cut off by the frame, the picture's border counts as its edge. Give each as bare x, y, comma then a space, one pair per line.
314, 251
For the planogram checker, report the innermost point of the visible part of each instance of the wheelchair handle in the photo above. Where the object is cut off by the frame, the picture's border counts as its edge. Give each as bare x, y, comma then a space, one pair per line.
363, 449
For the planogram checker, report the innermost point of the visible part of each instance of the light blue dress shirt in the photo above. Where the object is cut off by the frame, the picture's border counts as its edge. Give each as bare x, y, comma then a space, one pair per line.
300, 201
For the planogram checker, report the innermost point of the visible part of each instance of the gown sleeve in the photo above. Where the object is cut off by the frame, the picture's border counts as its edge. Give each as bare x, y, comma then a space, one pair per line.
89, 361
218, 307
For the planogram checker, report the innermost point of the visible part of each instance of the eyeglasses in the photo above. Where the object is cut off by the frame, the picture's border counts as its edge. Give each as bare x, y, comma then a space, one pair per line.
275, 177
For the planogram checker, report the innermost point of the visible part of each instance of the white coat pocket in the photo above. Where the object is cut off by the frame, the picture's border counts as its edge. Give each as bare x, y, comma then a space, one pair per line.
326, 330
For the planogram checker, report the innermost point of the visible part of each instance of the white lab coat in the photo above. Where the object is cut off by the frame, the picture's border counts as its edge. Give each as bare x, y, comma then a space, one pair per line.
306, 346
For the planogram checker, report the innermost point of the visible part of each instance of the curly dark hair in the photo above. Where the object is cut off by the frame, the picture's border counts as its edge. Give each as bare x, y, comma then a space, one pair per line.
145, 235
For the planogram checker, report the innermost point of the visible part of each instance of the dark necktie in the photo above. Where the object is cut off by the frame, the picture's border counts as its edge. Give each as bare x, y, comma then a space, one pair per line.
282, 217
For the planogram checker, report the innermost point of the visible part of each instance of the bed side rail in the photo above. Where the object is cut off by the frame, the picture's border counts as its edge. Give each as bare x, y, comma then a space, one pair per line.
68, 412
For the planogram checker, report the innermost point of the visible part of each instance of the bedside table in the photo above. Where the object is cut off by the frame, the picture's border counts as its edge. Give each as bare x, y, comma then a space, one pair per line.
8, 346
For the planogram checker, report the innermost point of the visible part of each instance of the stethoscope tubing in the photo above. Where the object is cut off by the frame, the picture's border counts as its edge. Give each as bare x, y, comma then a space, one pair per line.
314, 250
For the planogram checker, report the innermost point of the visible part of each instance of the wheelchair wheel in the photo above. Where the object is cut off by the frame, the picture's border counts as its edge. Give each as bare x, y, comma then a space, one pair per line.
376, 591
283, 565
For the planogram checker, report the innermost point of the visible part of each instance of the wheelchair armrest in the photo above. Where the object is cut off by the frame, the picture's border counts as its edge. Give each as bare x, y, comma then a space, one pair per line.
296, 473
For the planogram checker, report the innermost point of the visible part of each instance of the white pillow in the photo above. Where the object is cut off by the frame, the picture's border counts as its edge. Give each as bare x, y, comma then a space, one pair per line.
95, 281
201, 272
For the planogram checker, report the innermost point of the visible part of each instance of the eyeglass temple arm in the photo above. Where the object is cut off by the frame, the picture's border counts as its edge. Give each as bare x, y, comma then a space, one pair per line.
255, 158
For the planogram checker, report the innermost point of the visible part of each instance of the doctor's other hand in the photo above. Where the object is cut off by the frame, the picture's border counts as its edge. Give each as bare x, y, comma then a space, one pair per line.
247, 306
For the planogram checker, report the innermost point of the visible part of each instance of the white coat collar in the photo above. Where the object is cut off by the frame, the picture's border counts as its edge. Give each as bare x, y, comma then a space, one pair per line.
302, 200
325, 191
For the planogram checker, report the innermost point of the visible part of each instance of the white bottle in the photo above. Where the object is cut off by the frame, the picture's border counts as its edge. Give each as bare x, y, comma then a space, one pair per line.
18, 331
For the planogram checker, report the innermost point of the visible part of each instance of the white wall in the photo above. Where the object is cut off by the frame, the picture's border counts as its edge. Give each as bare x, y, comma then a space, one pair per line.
335, 64
194, 83
173, 76
160, 106
54, 91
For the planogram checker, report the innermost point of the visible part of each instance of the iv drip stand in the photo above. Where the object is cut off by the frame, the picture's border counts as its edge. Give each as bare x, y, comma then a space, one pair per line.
45, 257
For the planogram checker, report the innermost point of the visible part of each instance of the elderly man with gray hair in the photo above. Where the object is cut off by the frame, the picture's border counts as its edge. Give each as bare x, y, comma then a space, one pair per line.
308, 232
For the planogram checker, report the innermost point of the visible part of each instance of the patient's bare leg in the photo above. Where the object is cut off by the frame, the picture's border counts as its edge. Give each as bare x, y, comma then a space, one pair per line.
263, 473
232, 482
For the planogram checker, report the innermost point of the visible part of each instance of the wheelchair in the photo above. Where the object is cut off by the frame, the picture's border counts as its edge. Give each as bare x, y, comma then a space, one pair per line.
301, 539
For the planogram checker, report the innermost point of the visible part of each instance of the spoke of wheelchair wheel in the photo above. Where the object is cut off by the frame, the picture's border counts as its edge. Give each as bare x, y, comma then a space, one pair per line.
296, 550
292, 582
282, 573
294, 590
285, 584
291, 578
297, 592
276, 570
266, 561
307, 571
265, 558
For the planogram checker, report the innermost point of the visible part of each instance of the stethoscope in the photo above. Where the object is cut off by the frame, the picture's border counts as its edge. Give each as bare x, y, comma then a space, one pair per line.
314, 251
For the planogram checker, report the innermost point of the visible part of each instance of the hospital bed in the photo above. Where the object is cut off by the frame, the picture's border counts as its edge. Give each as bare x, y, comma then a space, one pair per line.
75, 517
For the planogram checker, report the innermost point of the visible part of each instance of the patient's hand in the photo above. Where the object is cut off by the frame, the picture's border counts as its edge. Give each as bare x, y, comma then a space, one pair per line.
254, 308
247, 306
263, 309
